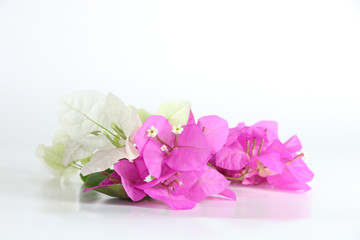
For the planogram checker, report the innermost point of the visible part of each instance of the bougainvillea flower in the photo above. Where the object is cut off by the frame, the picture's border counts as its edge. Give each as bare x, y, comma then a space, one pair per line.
296, 173
183, 148
254, 154
129, 174
182, 189
246, 146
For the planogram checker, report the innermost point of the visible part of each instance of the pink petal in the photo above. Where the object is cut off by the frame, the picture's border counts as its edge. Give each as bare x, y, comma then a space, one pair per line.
127, 169
300, 171
141, 167
216, 131
184, 181
271, 129
271, 160
211, 182
232, 157
229, 194
166, 172
287, 181
280, 148
293, 144
191, 118
134, 193
165, 195
153, 158
192, 151
234, 134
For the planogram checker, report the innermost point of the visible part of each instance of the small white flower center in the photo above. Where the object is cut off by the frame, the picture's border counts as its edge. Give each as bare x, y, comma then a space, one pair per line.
152, 132
164, 148
177, 129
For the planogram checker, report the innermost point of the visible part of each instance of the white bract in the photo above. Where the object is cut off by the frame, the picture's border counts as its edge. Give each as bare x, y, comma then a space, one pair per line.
83, 117
177, 112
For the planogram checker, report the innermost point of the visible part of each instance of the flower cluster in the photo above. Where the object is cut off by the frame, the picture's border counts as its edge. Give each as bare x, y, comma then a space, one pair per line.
129, 153
254, 154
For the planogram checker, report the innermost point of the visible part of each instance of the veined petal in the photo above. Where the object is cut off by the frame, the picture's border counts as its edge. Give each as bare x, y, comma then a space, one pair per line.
153, 158
52, 157
175, 202
192, 152
293, 144
176, 111
191, 118
216, 131
125, 117
271, 128
75, 151
103, 159
271, 160
211, 182
287, 181
82, 113
300, 171
232, 157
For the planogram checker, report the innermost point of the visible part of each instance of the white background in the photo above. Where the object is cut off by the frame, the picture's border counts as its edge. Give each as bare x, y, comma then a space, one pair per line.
297, 62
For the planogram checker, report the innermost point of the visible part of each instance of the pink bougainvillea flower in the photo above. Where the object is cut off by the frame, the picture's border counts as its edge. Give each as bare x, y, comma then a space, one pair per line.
183, 148
246, 146
183, 189
129, 174
296, 173
254, 154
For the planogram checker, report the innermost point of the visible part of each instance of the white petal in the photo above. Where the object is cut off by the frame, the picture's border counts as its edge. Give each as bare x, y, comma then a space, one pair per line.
52, 157
79, 111
60, 137
74, 151
125, 117
103, 159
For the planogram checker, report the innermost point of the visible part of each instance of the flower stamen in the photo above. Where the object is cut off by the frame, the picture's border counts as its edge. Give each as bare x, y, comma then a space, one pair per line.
177, 129
152, 132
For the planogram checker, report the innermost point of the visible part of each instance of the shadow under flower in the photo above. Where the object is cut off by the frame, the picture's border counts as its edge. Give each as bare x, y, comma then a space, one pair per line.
260, 202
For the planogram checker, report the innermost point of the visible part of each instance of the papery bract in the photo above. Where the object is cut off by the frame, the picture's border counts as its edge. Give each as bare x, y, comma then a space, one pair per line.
216, 131
183, 152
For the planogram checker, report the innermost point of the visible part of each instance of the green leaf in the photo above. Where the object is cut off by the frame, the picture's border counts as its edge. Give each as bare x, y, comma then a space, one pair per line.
116, 190
94, 179
176, 111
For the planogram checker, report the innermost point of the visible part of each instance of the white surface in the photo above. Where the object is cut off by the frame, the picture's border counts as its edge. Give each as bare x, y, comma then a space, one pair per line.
295, 62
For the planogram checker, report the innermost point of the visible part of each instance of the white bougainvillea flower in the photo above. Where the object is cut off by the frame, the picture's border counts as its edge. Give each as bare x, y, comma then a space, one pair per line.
177, 112
86, 118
